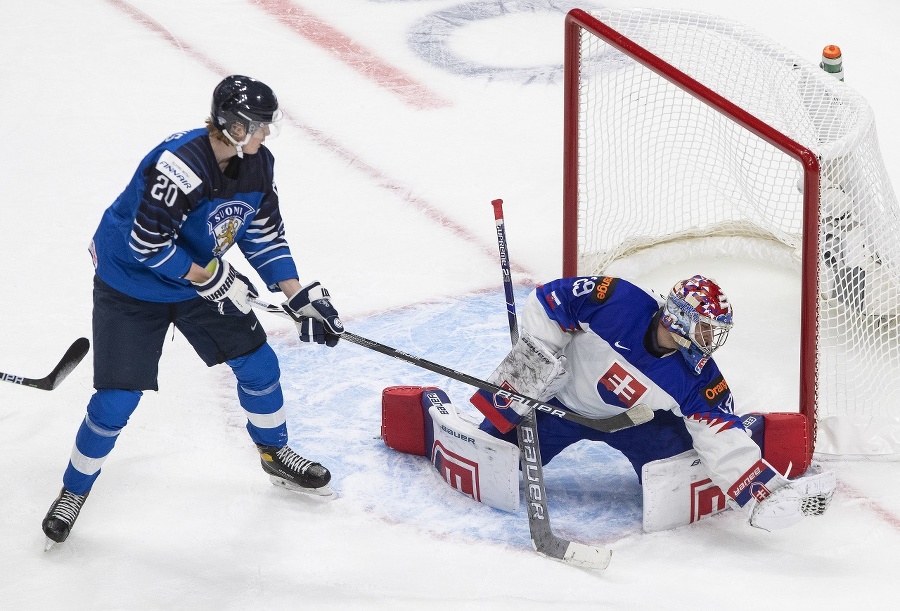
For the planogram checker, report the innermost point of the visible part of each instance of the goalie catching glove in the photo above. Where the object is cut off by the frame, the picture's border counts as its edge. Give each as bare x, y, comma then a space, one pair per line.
316, 319
789, 501
226, 290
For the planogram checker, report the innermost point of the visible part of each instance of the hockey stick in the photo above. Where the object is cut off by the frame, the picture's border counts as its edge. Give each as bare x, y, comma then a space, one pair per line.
630, 417
69, 361
507, 273
542, 537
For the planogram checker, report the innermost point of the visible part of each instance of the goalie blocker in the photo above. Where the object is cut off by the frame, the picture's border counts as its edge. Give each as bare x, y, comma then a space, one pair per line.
676, 491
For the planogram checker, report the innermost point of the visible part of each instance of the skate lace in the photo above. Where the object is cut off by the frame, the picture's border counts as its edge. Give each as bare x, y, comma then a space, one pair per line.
68, 506
293, 461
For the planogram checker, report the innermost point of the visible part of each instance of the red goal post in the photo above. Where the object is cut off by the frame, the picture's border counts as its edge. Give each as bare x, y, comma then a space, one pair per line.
683, 126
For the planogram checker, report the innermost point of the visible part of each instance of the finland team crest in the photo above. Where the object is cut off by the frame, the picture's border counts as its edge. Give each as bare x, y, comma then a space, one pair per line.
225, 221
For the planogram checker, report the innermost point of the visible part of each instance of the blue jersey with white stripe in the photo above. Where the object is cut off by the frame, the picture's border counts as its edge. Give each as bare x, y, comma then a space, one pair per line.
180, 208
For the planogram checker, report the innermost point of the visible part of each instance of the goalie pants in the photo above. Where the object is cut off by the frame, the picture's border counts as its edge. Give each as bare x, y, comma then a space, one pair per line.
663, 437
128, 339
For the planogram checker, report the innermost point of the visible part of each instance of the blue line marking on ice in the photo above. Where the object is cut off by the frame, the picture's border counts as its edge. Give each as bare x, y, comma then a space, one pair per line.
333, 398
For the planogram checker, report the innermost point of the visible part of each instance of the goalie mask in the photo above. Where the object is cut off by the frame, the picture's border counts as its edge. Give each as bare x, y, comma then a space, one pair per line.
698, 315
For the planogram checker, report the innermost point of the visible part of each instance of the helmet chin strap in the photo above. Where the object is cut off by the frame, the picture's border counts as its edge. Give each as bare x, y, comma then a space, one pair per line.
238, 145
694, 357
681, 340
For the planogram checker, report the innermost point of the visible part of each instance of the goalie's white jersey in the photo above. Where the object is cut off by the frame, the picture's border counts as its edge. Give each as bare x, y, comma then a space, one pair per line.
605, 329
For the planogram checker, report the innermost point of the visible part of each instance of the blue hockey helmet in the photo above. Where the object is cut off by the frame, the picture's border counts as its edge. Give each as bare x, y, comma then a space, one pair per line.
242, 105
699, 316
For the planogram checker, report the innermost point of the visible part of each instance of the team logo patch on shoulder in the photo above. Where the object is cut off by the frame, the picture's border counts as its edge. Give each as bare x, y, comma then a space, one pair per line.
177, 171
716, 391
604, 288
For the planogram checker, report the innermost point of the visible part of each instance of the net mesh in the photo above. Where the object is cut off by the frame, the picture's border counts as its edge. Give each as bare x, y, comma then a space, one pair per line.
658, 165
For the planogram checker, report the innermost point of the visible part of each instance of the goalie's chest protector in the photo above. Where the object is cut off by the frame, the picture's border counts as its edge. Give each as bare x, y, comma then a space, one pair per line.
609, 365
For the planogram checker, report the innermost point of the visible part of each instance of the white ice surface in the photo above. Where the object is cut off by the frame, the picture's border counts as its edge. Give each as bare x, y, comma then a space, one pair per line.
404, 120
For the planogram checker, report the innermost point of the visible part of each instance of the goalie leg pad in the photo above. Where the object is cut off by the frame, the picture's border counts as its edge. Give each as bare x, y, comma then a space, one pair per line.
784, 440
530, 369
423, 421
678, 490
471, 461
402, 419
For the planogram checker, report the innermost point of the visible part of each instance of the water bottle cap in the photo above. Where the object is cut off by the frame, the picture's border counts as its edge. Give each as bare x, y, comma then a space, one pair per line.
831, 52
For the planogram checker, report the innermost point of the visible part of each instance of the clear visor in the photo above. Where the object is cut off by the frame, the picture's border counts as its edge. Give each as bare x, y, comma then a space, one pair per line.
269, 129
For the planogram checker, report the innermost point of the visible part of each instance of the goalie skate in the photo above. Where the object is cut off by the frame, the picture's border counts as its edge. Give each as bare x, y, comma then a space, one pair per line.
289, 470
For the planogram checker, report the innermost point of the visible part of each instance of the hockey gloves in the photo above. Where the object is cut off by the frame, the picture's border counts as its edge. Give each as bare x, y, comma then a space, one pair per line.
227, 290
782, 502
313, 330
316, 319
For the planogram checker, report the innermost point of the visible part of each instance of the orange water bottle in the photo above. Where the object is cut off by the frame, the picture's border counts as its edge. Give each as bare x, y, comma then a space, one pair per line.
832, 62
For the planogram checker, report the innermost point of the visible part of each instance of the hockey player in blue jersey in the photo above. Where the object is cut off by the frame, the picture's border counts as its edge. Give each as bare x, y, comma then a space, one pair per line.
158, 256
598, 345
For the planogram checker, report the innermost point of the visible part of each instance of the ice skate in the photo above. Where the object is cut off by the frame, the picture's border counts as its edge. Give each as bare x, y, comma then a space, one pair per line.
61, 517
289, 470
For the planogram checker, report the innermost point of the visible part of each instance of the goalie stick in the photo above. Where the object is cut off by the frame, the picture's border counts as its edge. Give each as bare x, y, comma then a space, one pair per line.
630, 417
542, 537
69, 361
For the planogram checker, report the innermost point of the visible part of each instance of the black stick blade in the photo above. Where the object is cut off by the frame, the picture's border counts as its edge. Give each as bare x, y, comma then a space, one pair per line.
70, 360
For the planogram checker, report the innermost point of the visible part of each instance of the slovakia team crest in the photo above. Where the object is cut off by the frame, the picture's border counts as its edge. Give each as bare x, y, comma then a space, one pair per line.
620, 385
226, 221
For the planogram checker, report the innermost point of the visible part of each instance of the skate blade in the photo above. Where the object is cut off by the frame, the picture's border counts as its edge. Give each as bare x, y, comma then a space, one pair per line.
320, 494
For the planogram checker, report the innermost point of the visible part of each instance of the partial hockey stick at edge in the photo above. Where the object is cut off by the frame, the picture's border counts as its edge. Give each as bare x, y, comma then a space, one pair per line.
628, 418
543, 539
67, 363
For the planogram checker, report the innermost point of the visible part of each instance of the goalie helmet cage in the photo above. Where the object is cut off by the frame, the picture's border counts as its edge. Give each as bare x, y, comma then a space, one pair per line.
683, 127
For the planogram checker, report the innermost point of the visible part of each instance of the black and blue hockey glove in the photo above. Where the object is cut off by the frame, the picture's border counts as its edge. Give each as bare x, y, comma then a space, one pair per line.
313, 330
227, 290
316, 319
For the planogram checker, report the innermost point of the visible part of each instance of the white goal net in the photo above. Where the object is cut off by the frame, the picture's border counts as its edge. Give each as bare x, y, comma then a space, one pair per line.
686, 127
